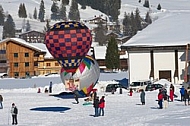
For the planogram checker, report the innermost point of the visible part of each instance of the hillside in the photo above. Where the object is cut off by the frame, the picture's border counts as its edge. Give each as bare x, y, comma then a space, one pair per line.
126, 6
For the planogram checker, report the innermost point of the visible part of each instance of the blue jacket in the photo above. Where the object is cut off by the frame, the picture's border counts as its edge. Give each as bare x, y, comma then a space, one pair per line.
182, 91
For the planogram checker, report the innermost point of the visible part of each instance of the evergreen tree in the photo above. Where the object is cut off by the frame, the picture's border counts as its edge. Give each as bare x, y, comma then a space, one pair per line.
133, 25
127, 25
9, 28
159, 7
28, 27
2, 16
35, 13
100, 36
20, 11
138, 19
41, 13
148, 19
24, 14
111, 7
55, 11
62, 12
146, 3
112, 59
74, 12
47, 26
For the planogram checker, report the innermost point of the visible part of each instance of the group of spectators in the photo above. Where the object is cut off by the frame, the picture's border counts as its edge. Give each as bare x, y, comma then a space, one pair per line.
163, 96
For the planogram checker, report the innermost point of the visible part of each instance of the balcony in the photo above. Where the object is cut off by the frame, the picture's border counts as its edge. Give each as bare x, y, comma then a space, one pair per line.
4, 64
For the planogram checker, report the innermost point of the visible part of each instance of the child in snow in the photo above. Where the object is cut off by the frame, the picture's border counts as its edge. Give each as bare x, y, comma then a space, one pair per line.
101, 106
130, 92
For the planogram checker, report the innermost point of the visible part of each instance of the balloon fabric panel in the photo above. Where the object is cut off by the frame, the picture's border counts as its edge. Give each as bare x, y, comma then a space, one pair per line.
68, 43
82, 44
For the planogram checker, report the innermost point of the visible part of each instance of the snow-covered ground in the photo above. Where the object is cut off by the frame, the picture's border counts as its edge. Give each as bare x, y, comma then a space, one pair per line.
40, 109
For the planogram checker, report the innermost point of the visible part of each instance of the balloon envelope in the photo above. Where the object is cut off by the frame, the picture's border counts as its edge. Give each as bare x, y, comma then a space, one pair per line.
68, 42
86, 75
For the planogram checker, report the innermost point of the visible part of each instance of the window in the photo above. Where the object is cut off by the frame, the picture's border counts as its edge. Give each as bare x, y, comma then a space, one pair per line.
15, 64
35, 63
56, 64
27, 74
48, 64
27, 64
16, 74
15, 54
26, 54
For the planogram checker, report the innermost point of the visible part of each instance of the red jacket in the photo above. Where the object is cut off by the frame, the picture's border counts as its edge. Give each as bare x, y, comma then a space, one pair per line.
160, 96
102, 103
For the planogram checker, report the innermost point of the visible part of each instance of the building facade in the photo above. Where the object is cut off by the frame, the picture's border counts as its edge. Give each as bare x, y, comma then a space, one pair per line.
20, 59
157, 63
33, 36
161, 50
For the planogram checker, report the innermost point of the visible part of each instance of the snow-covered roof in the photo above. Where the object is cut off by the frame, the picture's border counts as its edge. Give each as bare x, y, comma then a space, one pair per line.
22, 42
170, 30
43, 47
100, 53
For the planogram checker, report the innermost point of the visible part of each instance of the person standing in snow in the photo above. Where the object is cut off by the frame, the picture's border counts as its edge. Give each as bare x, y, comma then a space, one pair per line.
186, 96
173, 88
101, 106
130, 92
76, 97
14, 112
165, 97
96, 106
94, 95
50, 87
160, 98
171, 94
142, 96
182, 92
1, 101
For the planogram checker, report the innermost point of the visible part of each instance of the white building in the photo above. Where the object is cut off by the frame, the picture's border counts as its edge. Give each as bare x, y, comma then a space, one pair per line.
159, 51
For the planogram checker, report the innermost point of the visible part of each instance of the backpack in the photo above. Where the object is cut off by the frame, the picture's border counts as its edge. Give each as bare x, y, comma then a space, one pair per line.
15, 110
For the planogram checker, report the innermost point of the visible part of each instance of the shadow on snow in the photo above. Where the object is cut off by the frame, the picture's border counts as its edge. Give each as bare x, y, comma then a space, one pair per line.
66, 95
51, 109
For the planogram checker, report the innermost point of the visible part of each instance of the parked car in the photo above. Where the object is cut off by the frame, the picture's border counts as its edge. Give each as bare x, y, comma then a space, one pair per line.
152, 87
139, 85
111, 87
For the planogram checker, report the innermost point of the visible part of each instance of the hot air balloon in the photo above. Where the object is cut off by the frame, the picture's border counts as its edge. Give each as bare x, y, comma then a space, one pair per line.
68, 43
84, 78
